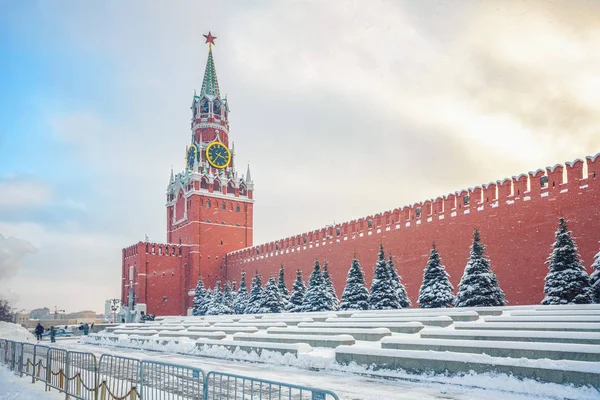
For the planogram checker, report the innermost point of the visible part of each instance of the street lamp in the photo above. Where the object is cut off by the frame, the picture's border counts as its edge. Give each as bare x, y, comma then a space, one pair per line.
114, 306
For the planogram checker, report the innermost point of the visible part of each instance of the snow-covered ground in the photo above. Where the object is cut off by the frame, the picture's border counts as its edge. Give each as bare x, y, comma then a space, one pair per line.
15, 332
15, 388
354, 383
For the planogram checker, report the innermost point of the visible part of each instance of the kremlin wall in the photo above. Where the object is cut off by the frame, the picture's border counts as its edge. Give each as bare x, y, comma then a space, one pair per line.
517, 218
210, 225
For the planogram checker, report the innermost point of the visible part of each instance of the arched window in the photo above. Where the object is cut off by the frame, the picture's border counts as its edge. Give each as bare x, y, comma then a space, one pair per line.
243, 191
230, 187
204, 183
217, 107
237, 208
223, 206
208, 203
216, 186
204, 106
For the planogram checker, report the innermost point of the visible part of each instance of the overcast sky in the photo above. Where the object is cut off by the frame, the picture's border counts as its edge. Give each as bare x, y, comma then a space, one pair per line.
343, 108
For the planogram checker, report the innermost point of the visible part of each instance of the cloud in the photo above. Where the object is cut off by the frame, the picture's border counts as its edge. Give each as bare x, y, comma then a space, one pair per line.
12, 253
19, 192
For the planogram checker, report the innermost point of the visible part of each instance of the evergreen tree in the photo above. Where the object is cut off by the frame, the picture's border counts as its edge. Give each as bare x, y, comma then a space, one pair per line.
253, 303
201, 301
436, 290
316, 297
227, 299
384, 295
567, 281
283, 290
271, 300
397, 282
297, 296
334, 302
479, 286
356, 294
595, 279
241, 299
216, 303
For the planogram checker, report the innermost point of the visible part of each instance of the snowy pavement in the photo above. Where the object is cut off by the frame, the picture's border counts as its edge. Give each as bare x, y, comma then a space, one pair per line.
366, 385
14, 387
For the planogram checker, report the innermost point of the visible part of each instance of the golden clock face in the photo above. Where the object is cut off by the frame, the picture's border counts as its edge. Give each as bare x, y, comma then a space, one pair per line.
218, 155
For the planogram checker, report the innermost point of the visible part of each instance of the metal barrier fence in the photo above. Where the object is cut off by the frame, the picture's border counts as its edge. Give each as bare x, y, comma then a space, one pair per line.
82, 375
119, 377
28, 360
79, 375
170, 381
220, 386
57, 368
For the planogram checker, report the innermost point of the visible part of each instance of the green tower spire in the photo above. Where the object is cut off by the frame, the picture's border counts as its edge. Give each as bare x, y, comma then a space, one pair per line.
210, 84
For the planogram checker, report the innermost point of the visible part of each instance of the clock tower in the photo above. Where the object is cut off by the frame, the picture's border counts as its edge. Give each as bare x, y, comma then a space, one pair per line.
209, 204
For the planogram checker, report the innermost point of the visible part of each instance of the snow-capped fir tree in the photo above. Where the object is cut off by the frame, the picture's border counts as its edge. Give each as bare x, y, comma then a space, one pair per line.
479, 286
241, 298
201, 301
297, 295
253, 303
384, 295
397, 281
316, 297
216, 303
334, 302
595, 279
271, 300
436, 290
227, 299
283, 290
567, 281
356, 294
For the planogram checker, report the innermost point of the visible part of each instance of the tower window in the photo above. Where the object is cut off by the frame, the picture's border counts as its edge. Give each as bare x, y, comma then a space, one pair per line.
208, 203
223, 206
237, 208
418, 211
304, 239
466, 199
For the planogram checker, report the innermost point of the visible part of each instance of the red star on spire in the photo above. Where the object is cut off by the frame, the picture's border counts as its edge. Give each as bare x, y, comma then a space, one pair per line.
210, 38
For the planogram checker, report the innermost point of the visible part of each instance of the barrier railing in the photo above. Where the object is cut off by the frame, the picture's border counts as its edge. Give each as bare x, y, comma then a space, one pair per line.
171, 381
220, 385
82, 375
119, 377
79, 375
57, 369
28, 360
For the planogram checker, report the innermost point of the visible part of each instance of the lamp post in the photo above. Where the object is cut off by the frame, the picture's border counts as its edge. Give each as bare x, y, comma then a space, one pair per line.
114, 306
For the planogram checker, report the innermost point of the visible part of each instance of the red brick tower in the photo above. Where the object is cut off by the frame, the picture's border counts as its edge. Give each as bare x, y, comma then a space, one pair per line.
209, 212
209, 206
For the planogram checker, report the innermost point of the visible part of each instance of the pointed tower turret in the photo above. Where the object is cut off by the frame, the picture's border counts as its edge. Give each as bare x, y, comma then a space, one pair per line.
210, 84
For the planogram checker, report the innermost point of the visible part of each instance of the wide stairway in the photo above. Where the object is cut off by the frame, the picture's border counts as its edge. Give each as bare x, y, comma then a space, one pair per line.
559, 344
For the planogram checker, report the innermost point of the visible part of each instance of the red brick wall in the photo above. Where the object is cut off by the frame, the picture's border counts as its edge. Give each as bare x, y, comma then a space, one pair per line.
518, 230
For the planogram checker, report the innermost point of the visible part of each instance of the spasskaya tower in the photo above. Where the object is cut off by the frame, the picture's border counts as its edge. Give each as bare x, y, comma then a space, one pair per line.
209, 211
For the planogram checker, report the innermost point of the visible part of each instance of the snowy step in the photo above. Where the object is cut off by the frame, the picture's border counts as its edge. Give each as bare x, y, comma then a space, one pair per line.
265, 324
194, 334
554, 312
432, 321
286, 320
215, 320
313, 340
455, 315
195, 323
513, 336
370, 334
569, 307
258, 347
530, 326
226, 329
546, 318
397, 327
552, 351
564, 372
139, 332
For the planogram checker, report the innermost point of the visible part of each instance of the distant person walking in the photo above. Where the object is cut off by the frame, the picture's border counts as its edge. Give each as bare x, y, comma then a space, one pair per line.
52, 334
86, 329
39, 329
